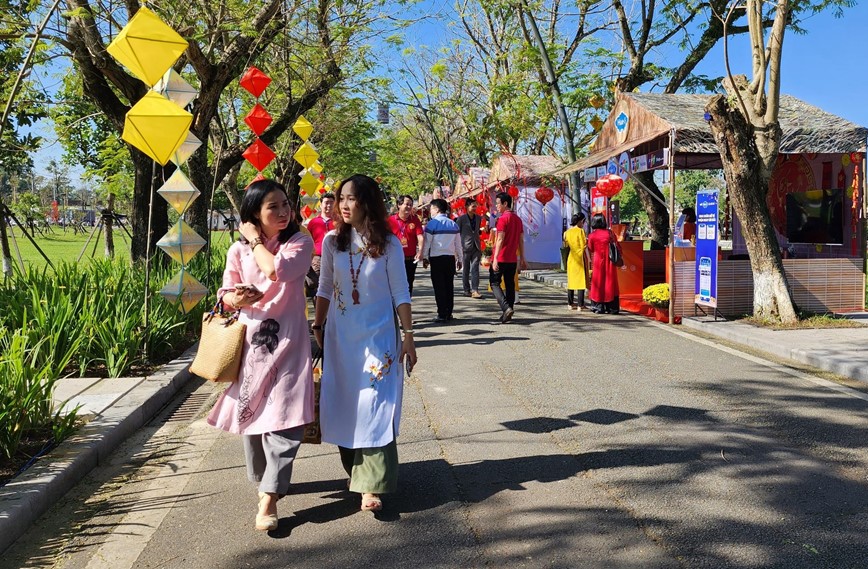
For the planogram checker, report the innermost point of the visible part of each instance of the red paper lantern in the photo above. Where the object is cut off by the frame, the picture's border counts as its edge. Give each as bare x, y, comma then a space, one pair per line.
258, 119
485, 236
610, 185
259, 155
512, 191
480, 199
255, 81
544, 195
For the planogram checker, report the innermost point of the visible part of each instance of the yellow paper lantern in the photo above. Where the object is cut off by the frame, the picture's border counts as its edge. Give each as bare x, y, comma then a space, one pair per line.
181, 242
309, 184
306, 155
157, 127
147, 46
302, 128
184, 290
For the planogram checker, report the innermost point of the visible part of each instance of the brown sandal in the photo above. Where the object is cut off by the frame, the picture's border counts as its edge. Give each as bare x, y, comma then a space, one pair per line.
371, 503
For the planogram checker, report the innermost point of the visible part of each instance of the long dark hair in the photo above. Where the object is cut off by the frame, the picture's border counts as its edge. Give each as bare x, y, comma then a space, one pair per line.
370, 199
599, 221
251, 205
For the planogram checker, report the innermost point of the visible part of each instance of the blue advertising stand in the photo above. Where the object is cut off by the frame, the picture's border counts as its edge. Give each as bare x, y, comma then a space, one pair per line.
707, 237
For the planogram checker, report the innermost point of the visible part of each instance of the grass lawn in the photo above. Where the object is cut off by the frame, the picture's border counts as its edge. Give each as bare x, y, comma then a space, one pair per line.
60, 245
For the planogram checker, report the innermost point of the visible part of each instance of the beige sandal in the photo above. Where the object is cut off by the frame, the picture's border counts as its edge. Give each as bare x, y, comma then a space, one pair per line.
371, 503
265, 522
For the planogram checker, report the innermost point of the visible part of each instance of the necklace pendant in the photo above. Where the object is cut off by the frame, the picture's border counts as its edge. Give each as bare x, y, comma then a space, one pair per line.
355, 296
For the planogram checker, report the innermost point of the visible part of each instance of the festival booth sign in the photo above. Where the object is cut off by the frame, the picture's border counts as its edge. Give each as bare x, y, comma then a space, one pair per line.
815, 198
522, 176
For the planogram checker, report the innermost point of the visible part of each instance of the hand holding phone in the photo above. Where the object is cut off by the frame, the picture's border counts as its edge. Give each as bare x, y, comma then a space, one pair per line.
247, 293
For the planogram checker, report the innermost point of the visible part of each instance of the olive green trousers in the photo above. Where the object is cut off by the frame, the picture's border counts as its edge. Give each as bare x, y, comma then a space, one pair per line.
372, 470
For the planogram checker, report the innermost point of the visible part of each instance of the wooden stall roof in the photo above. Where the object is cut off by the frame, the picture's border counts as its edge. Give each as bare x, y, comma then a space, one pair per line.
806, 128
529, 168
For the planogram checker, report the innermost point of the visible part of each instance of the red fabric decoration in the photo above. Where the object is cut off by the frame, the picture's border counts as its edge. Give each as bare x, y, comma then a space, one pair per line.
258, 119
512, 191
259, 154
544, 195
255, 81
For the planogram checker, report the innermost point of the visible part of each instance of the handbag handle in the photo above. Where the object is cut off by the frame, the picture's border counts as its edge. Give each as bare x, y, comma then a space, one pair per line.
219, 308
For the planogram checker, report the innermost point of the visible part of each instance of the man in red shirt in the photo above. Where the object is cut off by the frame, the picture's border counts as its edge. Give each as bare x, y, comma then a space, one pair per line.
508, 253
407, 228
318, 228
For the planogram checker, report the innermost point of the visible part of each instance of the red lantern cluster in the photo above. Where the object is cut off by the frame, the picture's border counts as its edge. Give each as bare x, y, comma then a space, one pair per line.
610, 185
258, 119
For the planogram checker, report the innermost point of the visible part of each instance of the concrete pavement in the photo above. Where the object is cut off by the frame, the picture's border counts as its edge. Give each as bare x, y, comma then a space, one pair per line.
837, 350
122, 405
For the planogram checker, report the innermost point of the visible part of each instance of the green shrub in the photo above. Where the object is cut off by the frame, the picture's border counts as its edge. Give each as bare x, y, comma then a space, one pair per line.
84, 319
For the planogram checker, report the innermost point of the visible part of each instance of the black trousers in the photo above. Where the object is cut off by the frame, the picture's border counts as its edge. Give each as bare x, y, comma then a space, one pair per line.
505, 272
410, 266
571, 297
443, 279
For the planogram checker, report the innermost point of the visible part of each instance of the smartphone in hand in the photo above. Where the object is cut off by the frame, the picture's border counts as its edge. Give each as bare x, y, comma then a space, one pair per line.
247, 289
407, 367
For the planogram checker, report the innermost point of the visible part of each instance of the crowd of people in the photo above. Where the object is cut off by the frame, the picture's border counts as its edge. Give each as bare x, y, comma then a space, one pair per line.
358, 264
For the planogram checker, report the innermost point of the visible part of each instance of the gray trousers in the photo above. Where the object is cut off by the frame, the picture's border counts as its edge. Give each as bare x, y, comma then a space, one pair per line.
470, 270
269, 458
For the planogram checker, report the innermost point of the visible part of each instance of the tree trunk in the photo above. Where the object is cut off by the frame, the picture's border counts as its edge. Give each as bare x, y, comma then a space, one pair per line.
107, 220
4, 243
658, 215
146, 183
747, 182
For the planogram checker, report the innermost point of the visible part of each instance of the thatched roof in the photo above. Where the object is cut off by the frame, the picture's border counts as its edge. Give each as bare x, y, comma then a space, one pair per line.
806, 128
528, 168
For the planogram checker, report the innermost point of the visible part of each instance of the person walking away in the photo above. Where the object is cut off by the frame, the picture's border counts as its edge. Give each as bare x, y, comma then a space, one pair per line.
468, 226
318, 227
362, 285
575, 239
442, 250
508, 253
407, 227
273, 397
604, 277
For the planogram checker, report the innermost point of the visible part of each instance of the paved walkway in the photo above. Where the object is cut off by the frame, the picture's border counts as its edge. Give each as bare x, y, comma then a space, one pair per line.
837, 350
121, 406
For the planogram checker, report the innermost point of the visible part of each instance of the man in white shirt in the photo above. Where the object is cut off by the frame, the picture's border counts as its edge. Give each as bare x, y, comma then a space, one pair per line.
442, 249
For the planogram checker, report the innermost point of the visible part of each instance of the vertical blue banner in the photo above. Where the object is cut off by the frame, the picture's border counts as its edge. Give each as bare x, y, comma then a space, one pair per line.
707, 236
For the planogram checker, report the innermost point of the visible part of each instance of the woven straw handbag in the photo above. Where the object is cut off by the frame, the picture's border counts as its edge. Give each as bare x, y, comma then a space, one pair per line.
220, 345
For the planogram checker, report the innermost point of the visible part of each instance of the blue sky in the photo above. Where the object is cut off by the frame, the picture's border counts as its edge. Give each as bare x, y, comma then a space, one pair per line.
827, 67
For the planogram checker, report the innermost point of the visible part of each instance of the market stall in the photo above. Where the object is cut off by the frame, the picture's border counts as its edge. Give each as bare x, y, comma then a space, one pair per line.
540, 201
816, 198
